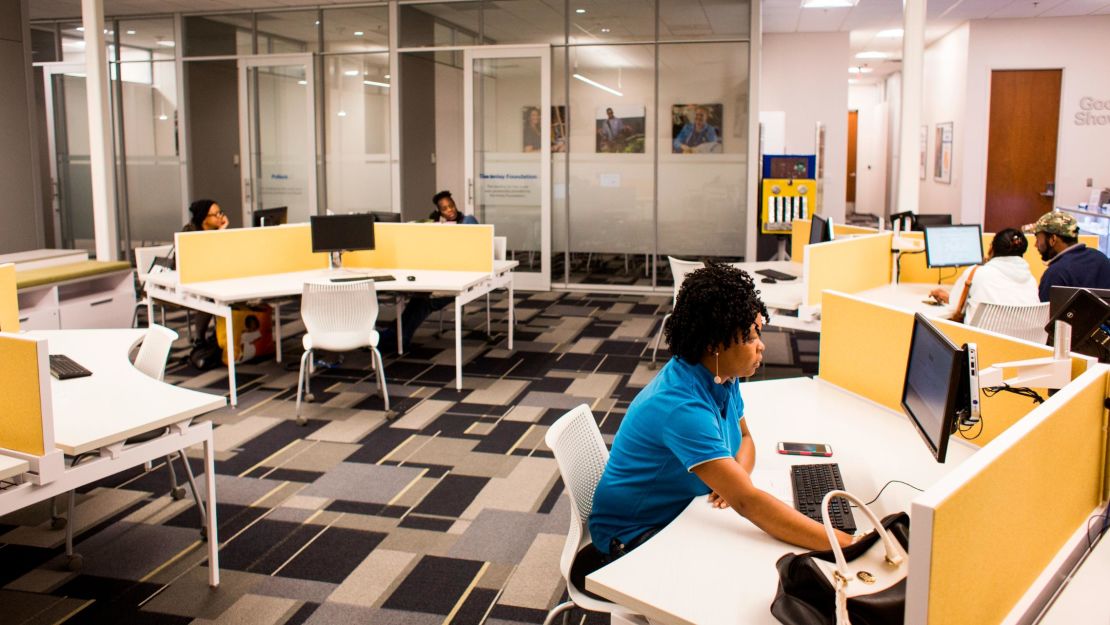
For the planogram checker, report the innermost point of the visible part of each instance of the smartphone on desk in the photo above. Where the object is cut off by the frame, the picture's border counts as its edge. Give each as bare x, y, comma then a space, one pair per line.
805, 449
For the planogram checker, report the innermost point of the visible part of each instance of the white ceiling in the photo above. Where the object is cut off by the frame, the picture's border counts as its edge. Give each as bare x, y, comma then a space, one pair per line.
681, 18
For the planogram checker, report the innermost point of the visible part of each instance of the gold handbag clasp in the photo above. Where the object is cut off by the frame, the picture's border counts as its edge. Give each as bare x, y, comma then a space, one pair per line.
866, 577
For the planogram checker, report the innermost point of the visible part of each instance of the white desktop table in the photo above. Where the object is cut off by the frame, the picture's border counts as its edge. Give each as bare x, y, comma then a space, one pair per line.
218, 296
907, 295
101, 411
713, 566
11, 467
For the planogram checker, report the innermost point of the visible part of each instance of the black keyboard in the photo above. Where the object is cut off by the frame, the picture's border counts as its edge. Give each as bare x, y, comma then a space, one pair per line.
811, 482
358, 278
777, 275
63, 368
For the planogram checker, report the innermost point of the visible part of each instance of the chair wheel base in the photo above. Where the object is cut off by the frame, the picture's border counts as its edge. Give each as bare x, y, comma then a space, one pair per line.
178, 493
391, 415
58, 523
75, 562
651, 366
204, 534
301, 421
309, 397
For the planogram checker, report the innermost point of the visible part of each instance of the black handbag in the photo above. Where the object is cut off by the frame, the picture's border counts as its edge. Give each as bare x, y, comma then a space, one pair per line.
863, 584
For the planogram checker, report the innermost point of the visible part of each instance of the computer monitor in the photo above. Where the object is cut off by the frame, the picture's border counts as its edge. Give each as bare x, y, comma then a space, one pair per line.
820, 230
342, 233
1088, 313
937, 391
926, 220
270, 216
384, 217
953, 246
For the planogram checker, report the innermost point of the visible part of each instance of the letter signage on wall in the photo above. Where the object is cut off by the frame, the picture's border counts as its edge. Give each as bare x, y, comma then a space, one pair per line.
1093, 112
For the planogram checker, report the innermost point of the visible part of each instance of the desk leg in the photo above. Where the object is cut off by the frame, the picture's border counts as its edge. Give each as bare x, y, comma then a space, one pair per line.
458, 343
149, 311
210, 499
400, 310
229, 332
277, 331
512, 314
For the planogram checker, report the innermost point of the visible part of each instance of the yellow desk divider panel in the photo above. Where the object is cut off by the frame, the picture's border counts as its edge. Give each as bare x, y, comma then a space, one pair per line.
985, 533
864, 347
915, 268
26, 418
848, 265
844, 230
9, 300
434, 247
245, 252
799, 238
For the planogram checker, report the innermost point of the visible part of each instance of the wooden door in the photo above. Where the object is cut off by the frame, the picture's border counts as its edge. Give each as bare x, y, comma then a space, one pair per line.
853, 131
1021, 149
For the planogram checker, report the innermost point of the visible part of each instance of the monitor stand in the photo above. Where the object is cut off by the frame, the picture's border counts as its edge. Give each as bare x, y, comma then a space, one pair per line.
335, 260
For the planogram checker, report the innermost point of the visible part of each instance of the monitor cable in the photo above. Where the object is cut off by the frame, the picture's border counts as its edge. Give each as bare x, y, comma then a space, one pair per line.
1024, 391
899, 263
880, 493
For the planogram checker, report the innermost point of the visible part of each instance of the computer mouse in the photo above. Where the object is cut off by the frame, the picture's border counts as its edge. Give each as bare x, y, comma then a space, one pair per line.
768, 281
411, 278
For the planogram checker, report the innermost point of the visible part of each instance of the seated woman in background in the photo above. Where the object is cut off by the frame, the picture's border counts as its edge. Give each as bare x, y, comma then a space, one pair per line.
685, 435
1004, 279
204, 215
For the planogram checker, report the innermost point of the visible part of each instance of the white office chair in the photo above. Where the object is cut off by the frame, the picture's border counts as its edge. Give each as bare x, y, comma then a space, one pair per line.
679, 269
581, 455
339, 317
1023, 322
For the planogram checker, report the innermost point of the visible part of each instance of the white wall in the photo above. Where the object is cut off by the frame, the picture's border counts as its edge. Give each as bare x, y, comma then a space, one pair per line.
945, 100
806, 75
1079, 45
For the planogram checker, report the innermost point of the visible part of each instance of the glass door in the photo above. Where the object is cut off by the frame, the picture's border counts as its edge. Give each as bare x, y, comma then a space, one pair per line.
277, 135
68, 138
507, 100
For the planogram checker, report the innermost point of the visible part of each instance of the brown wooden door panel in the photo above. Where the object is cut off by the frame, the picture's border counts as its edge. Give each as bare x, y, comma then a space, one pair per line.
853, 132
1021, 152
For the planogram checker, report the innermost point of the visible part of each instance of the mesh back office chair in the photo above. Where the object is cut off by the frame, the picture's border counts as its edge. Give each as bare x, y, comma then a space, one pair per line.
679, 269
581, 455
1023, 322
339, 317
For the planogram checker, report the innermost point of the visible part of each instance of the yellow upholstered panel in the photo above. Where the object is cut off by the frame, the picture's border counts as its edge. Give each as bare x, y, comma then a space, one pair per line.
848, 265
843, 230
915, 269
994, 535
244, 252
20, 401
799, 238
427, 246
9, 301
864, 347
72, 271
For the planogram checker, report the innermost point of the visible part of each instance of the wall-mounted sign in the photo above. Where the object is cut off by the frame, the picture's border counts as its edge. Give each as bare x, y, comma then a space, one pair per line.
1093, 112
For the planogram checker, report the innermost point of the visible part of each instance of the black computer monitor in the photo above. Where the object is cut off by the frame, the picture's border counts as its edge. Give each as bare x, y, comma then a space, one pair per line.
342, 233
384, 217
953, 246
276, 216
923, 221
820, 230
936, 393
1088, 313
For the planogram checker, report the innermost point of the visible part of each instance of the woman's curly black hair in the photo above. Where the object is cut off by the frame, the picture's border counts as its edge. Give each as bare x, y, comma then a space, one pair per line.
716, 305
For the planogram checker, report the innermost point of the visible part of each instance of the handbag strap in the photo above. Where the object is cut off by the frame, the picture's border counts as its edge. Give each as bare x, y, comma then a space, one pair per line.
959, 316
895, 555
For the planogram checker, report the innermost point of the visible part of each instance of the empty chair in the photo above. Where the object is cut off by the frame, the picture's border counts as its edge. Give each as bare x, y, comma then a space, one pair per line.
339, 317
1023, 322
679, 269
144, 261
581, 455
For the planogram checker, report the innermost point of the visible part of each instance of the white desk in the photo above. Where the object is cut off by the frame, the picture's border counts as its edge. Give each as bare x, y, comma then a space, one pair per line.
780, 295
218, 296
103, 410
907, 295
11, 467
1083, 598
713, 566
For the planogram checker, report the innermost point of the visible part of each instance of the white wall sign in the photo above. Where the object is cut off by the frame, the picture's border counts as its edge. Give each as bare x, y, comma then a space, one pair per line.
1093, 112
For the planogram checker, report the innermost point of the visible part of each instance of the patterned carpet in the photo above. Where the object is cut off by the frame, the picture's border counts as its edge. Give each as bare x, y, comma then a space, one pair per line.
453, 513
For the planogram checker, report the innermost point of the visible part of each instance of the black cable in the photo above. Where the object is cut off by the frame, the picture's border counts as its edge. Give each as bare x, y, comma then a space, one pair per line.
898, 265
1024, 391
961, 430
1102, 530
880, 493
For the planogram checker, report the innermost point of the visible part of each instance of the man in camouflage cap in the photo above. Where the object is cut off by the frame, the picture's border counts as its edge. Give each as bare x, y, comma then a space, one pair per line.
1070, 263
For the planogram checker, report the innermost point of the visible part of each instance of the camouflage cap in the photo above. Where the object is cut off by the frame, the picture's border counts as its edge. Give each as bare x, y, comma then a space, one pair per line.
1057, 223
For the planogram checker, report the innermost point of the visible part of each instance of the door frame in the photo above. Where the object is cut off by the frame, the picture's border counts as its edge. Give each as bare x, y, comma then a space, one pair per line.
247, 123
49, 70
533, 281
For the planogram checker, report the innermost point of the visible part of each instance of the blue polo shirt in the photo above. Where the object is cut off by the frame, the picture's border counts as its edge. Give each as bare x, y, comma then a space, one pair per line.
680, 420
1078, 265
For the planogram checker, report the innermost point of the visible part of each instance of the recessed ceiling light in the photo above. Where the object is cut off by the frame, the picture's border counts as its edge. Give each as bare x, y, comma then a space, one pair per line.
163, 117
80, 29
342, 113
828, 4
359, 33
580, 11
871, 54
130, 32
317, 23
351, 72
302, 82
387, 76
166, 44
890, 33
604, 30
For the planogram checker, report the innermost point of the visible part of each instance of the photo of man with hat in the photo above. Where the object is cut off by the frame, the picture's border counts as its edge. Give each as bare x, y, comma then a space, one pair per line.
1070, 263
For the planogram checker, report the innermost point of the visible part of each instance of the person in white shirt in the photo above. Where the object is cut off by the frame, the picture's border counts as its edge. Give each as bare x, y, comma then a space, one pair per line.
1004, 279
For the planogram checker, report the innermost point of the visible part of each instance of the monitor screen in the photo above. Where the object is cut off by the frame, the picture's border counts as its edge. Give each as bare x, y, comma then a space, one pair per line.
819, 230
953, 246
384, 217
270, 216
930, 394
1088, 312
339, 233
926, 220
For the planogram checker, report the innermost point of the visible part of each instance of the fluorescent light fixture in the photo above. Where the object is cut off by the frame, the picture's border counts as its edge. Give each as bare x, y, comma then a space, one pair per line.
580, 11
828, 4
163, 117
302, 82
871, 54
342, 113
130, 32
890, 33
598, 85
359, 33
80, 29
166, 44
860, 70
373, 83
351, 72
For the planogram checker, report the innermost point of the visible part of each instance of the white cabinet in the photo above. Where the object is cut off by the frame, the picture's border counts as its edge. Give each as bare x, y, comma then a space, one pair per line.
99, 301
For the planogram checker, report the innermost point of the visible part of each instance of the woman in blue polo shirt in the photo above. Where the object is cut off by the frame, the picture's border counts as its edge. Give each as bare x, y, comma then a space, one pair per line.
684, 435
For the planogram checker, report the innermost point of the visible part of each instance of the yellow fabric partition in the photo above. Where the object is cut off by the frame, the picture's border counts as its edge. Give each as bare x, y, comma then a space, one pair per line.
995, 533
245, 252
799, 238
848, 265
427, 246
843, 230
864, 347
9, 300
21, 419
915, 268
